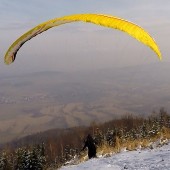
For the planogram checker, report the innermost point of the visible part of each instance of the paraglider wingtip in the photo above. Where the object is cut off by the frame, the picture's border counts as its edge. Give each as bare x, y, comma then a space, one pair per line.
7, 62
160, 58
159, 55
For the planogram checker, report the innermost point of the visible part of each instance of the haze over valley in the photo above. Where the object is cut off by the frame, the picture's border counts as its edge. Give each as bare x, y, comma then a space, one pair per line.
40, 101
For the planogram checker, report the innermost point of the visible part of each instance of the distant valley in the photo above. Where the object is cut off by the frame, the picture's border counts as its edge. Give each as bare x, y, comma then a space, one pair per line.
36, 102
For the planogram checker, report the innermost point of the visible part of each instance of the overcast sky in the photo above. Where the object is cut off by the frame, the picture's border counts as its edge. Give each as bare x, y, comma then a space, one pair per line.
81, 46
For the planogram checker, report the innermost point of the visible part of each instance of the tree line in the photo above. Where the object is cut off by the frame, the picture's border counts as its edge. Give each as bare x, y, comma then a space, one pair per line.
54, 148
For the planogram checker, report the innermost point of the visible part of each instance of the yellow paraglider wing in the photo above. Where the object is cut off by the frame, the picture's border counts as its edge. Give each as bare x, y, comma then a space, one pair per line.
104, 20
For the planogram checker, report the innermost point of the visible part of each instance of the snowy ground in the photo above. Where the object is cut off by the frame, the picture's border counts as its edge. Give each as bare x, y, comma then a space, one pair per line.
155, 159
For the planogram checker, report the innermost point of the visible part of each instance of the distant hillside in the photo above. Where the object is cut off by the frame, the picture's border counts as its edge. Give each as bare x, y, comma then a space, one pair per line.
40, 101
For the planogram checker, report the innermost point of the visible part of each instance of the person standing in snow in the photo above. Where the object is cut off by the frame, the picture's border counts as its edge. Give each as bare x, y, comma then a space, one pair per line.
90, 144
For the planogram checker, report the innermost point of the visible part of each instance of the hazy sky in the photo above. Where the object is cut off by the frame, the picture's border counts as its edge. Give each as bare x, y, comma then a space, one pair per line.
82, 46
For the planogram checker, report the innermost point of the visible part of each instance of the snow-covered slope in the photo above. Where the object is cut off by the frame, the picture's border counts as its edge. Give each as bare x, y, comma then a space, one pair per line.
147, 159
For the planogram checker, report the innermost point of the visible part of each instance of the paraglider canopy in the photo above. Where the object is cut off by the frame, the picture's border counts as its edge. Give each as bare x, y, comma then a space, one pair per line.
99, 19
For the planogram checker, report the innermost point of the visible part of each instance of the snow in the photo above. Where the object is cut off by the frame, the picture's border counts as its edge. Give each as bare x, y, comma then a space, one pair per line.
147, 159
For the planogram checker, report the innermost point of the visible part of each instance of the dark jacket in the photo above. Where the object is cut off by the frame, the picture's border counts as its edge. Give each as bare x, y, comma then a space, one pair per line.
90, 144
